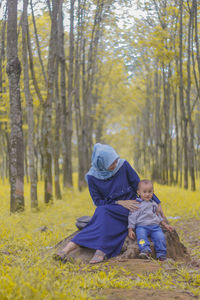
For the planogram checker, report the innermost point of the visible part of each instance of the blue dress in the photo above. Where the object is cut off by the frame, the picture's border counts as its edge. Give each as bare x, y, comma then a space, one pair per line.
107, 229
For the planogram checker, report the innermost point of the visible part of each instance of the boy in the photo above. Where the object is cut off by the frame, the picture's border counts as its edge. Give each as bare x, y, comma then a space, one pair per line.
147, 222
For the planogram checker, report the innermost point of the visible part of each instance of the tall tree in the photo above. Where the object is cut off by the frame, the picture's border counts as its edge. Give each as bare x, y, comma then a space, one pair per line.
191, 152
57, 135
47, 135
67, 176
29, 107
181, 96
62, 68
16, 137
77, 92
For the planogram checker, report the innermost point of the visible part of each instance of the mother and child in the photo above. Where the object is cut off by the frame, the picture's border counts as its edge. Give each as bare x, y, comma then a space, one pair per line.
114, 187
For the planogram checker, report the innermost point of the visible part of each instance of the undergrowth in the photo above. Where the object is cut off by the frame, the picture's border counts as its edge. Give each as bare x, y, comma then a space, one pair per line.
29, 272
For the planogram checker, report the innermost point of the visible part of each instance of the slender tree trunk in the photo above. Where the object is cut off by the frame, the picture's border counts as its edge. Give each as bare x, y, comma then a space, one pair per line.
146, 132
191, 151
84, 142
16, 137
2, 55
26, 172
39, 145
47, 136
181, 99
62, 65
8, 173
68, 159
166, 104
31, 64
5, 140
170, 120
181, 167
171, 165
137, 145
194, 4
157, 122
38, 44
57, 136
78, 118
177, 136
29, 107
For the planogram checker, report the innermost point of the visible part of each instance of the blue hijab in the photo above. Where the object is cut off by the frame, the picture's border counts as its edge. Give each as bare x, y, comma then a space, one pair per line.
102, 157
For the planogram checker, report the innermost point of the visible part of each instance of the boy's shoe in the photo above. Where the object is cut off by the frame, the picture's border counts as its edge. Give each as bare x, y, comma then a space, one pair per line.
162, 258
145, 255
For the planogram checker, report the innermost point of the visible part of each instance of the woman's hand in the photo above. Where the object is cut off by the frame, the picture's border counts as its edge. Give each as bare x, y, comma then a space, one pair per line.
129, 204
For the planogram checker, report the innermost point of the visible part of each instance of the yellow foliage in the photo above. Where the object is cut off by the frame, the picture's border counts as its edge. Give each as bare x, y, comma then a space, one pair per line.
29, 272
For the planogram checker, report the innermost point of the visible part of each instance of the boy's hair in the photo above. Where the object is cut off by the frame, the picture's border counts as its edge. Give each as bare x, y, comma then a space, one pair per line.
145, 181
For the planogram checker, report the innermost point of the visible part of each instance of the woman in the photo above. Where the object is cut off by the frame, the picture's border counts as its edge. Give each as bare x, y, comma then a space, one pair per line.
112, 184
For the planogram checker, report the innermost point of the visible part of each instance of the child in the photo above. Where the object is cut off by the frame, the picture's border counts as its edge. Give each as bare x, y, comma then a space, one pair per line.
146, 221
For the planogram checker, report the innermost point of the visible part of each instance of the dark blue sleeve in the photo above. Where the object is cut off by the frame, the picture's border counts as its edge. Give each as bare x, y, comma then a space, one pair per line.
97, 197
154, 198
134, 179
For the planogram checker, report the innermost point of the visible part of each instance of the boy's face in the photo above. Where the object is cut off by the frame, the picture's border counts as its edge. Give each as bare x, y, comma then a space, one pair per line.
145, 191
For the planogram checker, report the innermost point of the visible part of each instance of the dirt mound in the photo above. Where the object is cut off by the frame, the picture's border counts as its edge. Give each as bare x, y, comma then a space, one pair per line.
175, 249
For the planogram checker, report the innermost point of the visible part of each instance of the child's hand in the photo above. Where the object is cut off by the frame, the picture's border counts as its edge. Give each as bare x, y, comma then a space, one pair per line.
169, 227
131, 233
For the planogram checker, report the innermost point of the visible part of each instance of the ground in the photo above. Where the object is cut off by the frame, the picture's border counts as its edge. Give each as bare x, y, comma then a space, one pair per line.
190, 232
27, 241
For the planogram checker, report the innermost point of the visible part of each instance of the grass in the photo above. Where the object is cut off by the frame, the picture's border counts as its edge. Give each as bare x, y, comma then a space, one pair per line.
27, 272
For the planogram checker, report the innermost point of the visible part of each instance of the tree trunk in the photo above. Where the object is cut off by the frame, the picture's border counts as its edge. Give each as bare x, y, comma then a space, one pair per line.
181, 98
57, 137
68, 159
171, 157
191, 151
2, 55
62, 65
166, 104
29, 107
177, 137
157, 123
38, 44
78, 118
146, 134
194, 4
47, 139
16, 137
26, 172
31, 63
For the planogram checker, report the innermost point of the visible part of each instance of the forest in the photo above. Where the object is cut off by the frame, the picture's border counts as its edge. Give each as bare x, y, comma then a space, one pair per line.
74, 73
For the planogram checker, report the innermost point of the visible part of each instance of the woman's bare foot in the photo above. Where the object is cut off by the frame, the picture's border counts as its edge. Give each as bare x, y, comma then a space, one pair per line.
60, 255
98, 257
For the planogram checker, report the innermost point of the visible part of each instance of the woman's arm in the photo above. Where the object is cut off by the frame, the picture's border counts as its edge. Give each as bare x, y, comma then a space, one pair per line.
133, 177
97, 197
154, 198
132, 205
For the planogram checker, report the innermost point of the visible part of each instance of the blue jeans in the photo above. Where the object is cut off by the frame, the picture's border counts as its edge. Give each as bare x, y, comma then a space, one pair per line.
157, 236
